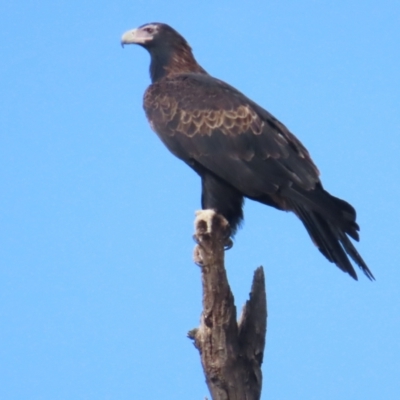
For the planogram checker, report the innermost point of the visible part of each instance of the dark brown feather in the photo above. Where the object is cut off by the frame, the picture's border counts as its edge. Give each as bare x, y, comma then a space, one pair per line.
201, 118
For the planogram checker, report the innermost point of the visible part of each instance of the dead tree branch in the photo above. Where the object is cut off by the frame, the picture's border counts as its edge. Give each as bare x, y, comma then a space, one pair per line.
231, 352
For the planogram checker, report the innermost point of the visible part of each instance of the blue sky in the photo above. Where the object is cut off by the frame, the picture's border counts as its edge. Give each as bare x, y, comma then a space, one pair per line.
97, 284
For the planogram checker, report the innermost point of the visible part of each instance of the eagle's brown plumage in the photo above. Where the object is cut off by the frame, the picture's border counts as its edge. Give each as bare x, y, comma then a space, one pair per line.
238, 148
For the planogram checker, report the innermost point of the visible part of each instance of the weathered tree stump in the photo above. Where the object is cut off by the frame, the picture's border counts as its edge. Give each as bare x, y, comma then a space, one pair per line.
231, 351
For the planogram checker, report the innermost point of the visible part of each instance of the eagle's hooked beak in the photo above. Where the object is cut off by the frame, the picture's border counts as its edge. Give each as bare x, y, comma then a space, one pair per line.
129, 37
134, 36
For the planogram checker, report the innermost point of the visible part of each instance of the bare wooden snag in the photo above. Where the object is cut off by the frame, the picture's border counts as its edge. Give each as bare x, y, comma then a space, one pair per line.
231, 352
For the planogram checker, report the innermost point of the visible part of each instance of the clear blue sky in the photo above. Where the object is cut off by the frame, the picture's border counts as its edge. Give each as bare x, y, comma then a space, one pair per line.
97, 284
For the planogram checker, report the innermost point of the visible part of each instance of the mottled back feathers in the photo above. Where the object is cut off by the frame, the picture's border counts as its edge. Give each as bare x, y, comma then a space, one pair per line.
199, 117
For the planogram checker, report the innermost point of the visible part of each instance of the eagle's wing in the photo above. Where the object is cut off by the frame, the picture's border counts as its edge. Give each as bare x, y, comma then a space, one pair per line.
204, 120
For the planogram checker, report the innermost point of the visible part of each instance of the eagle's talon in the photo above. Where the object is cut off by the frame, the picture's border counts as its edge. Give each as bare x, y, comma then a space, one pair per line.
228, 244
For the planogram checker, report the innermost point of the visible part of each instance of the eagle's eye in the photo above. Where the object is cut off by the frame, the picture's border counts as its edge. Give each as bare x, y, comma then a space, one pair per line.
149, 29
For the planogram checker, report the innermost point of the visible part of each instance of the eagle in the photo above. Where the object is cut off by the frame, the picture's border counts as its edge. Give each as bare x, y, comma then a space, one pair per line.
238, 149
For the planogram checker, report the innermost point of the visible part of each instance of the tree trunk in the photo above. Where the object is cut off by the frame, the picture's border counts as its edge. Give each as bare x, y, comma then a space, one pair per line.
231, 352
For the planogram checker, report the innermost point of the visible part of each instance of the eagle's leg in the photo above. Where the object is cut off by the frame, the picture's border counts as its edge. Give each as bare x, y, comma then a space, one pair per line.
224, 199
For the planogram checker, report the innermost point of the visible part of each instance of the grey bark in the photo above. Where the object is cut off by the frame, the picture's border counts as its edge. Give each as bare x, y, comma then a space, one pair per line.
231, 351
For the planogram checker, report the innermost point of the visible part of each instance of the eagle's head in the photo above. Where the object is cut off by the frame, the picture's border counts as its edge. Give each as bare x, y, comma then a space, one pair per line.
169, 51
154, 36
